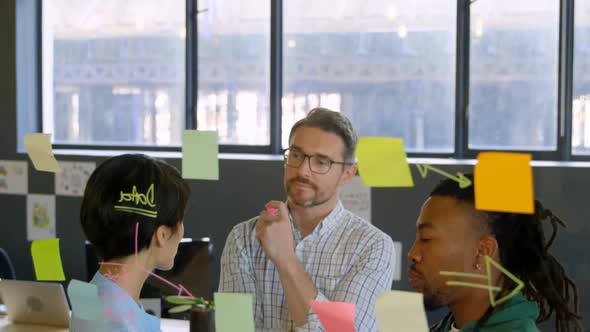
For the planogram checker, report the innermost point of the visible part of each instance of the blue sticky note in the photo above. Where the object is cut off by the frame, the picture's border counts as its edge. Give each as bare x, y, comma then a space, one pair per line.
84, 300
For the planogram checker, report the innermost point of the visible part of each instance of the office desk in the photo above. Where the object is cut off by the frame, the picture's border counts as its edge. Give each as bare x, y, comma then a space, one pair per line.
167, 325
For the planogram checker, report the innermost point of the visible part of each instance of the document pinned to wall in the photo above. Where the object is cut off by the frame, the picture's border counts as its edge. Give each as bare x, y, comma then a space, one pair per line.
40, 217
72, 180
14, 177
356, 197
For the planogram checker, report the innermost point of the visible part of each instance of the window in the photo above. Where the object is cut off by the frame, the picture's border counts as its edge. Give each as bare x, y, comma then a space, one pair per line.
114, 71
513, 89
581, 86
389, 66
233, 70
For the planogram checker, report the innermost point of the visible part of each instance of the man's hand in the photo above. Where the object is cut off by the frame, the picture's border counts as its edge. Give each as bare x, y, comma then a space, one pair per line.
273, 231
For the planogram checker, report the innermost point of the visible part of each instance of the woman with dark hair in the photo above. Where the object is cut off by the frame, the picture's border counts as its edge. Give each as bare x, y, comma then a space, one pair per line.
132, 213
453, 236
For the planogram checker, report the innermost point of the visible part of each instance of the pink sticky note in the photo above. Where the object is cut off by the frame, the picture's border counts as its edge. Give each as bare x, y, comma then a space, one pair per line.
271, 210
335, 316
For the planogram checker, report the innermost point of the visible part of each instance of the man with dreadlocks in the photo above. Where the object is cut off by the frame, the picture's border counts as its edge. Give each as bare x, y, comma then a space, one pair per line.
452, 236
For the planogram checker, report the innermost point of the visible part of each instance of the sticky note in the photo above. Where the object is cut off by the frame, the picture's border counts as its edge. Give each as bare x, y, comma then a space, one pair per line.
234, 312
47, 260
335, 316
382, 162
39, 149
84, 300
400, 311
200, 155
504, 182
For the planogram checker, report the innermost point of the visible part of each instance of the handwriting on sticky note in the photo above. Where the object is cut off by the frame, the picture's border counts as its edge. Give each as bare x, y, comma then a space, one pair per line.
400, 311
489, 282
84, 300
39, 149
335, 316
234, 312
382, 162
504, 182
200, 155
47, 260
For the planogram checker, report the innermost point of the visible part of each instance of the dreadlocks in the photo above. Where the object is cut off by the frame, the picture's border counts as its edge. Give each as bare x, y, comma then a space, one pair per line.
524, 251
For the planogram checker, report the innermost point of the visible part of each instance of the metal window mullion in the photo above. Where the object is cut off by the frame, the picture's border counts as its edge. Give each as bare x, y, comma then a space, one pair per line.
565, 78
462, 80
276, 74
191, 64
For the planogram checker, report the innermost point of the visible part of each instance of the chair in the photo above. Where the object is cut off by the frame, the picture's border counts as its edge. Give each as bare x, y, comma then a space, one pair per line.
6, 267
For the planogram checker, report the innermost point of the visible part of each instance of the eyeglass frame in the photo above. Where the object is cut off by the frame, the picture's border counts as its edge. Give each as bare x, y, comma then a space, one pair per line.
309, 156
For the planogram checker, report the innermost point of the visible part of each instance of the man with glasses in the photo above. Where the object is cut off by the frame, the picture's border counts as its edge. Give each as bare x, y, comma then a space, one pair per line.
309, 247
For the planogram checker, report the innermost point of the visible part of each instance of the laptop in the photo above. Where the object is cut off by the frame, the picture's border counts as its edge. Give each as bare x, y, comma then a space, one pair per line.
33, 302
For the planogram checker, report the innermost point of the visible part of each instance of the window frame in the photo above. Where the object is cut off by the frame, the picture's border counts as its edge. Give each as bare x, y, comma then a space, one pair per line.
563, 150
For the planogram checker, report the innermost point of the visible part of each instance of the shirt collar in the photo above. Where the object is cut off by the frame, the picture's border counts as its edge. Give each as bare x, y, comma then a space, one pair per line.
325, 226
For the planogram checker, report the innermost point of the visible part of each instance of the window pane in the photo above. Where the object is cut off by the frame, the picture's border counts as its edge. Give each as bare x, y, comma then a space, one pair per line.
114, 71
513, 74
581, 94
233, 70
388, 65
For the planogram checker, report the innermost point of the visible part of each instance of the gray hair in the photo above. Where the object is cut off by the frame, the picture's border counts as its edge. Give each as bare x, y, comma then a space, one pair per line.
332, 122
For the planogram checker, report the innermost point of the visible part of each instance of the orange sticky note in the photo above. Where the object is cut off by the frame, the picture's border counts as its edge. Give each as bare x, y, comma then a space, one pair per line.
335, 316
47, 260
382, 162
504, 182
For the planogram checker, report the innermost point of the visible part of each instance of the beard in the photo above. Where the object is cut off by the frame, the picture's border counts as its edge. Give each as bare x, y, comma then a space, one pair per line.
314, 201
432, 300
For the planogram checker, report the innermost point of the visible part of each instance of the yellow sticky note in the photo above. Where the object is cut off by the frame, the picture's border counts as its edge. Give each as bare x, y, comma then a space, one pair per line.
400, 311
200, 155
382, 162
39, 149
47, 260
504, 182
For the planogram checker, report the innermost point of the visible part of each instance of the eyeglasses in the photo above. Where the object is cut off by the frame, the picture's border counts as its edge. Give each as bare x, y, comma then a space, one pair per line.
317, 163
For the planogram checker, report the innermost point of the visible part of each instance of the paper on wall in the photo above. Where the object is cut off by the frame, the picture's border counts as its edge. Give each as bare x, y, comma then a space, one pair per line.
40, 217
14, 177
72, 180
356, 197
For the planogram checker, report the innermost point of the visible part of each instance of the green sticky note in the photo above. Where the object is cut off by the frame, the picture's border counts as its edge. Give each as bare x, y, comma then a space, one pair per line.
234, 312
200, 155
47, 260
84, 300
382, 162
